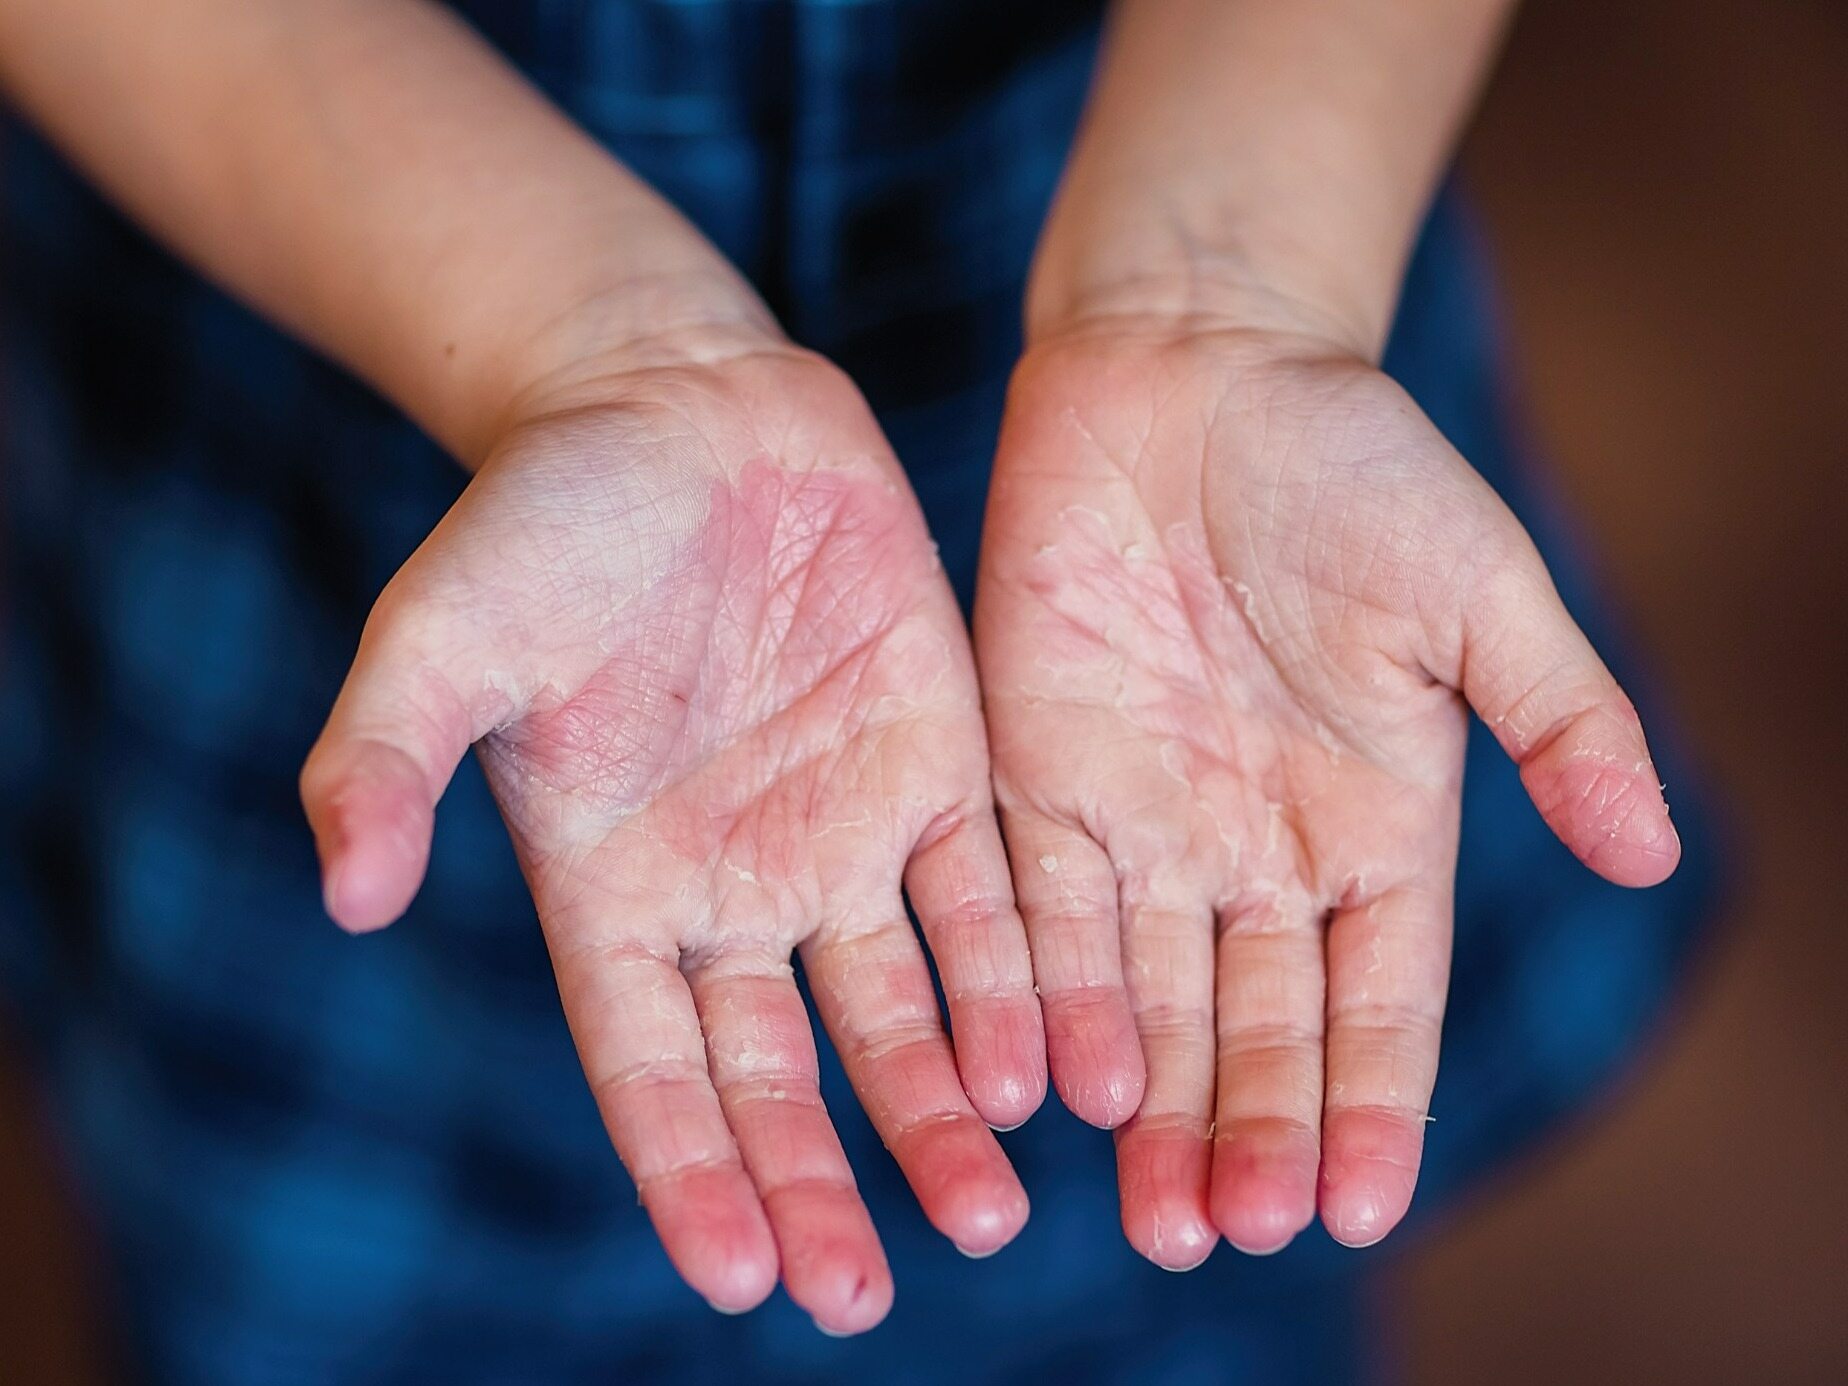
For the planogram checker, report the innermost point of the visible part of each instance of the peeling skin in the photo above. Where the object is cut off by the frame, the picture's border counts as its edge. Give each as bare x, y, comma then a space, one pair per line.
1355, 892
721, 691
1173, 760
857, 823
1330, 742
1138, 625
1248, 602
1227, 599
1273, 827
702, 658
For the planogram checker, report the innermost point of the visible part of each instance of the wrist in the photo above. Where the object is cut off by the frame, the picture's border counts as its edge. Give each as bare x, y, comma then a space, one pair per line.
585, 351
1161, 278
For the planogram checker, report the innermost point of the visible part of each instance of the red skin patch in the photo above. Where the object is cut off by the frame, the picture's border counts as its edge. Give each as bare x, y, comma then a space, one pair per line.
749, 666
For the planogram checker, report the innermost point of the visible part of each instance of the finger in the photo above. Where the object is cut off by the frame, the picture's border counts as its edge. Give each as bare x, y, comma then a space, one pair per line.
1164, 1152
958, 884
1533, 677
1068, 898
639, 1037
762, 1059
1388, 962
874, 994
371, 782
1267, 1129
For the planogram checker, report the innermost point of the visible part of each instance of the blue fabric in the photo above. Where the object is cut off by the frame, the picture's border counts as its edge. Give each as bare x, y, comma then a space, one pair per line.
320, 1159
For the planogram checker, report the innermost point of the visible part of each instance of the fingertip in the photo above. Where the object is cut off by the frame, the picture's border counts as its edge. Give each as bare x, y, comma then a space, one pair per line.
1610, 814
851, 1298
1363, 1209
832, 1263
1003, 1063
372, 817
1162, 1177
1172, 1233
739, 1286
1101, 1098
371, 875
358, 909
717, 1235
981, 1216
1596, 786
1369, 1171
1640, 867
1008, 1102
964, 1182
1264, 1185
1261, 1226
1096, 1057
981, 1219
843, 1283
1648, 851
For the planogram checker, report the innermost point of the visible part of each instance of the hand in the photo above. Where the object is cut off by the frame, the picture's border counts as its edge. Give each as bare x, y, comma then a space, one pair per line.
1232, 586
724, 699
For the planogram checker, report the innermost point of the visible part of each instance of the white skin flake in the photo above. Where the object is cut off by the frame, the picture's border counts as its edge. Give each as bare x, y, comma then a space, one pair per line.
1249, 601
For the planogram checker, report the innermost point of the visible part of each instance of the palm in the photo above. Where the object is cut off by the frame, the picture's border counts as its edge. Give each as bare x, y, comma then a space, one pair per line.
726, 703
731, 710
1224, 603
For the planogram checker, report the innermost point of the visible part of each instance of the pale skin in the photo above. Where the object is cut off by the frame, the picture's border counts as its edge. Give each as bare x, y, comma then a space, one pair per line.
729, 737
1235, 594
1240, 583
1252, 593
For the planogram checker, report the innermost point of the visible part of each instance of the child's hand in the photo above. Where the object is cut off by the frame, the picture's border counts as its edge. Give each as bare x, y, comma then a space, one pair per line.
1232, 587
727, 699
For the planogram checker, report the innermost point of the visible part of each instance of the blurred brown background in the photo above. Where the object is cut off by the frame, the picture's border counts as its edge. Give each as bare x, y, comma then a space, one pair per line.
1667, 188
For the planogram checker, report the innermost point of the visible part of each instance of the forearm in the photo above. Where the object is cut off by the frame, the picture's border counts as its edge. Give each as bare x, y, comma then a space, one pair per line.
375, 178
1253, 159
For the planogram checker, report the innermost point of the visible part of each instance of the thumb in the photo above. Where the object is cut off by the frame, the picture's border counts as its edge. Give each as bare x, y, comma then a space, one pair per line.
1533, 677
370, 784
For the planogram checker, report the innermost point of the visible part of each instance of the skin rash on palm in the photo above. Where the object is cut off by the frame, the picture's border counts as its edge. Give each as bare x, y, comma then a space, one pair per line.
771, 646
729, 712
1150, 625
725, 699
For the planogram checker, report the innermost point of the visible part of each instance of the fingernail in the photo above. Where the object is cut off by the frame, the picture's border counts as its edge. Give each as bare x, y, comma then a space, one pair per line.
1357, 1234
827, 1332
976, 1255
718, 1308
